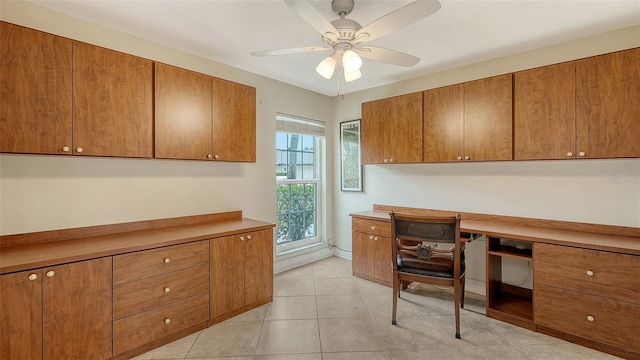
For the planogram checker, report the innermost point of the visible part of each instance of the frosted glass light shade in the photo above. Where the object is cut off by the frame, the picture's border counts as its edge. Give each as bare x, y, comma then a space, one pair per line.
350, 76
326, 67
351, 61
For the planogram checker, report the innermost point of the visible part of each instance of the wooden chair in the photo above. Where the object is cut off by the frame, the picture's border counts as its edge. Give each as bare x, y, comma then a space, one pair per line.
428, 250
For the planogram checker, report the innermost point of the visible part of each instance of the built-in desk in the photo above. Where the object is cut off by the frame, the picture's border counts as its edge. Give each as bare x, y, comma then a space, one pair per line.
586, 283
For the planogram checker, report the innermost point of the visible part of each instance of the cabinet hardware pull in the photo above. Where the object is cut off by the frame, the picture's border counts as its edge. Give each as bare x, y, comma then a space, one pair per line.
216, 156
33, 277
242, 238
370, 237
248, 237
375, 238
590, 318
459, 158
51, 273
467, 157
390, 160
386, 160
569, 154
581, 153
65, 148
167, 289
373, 227
209, 156
167, 321
589, 273
167, 260
79, 149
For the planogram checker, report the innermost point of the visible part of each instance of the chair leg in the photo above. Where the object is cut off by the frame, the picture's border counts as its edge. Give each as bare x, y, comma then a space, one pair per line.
456, 295
396, 295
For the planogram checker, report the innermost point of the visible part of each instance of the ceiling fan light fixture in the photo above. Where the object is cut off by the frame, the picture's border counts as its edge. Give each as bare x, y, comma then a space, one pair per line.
351, 76
351, 61
326, 67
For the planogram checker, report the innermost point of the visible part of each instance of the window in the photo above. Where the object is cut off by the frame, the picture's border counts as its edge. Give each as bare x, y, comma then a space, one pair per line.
299, 154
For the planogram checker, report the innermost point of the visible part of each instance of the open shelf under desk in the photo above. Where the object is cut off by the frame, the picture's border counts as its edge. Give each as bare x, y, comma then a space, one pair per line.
512, 304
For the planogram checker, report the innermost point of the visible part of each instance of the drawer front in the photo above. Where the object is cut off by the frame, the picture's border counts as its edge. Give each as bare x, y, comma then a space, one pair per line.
134, 331
137, 296
371, 226
589, 271
591, 317
143, 264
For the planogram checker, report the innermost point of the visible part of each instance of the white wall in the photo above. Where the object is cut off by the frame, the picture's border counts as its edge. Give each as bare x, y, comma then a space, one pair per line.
52, 192
596, 191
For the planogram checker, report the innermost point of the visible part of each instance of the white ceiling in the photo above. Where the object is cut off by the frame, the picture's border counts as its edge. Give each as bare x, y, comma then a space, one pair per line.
461, 33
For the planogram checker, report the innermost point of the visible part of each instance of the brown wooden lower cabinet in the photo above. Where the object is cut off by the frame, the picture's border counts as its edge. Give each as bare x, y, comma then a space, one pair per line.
241, 273
372, 251
58, 312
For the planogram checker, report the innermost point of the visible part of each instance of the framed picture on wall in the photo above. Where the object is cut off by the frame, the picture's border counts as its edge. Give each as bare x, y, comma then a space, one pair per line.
350, 156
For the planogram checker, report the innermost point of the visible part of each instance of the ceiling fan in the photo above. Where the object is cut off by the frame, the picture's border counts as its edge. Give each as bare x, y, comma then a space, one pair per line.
347, 38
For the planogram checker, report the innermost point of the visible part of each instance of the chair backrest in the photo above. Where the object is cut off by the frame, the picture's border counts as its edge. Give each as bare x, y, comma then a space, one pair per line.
409, 232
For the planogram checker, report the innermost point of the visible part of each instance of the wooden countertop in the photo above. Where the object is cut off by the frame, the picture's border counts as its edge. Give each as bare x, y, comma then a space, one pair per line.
19, 258
583, 239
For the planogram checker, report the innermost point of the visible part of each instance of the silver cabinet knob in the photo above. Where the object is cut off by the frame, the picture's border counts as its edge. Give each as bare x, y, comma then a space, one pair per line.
248, 237
569, 154
581, 153
459, 158
65, 149
51, 273
167, 260
167, 289
467, 157
373, 227
589, 273
390, 160
216, 156
590, 318
370, 237
79, 150
33, 277
209, 156
375, 238
386, 160
167, 321
242, 238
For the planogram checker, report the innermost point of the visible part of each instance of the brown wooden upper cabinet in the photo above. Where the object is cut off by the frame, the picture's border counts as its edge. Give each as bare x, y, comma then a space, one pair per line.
608, 106
392, 130
469, 122
112, 103
203, 118
35, 89
544, 112
67, 97
580, 109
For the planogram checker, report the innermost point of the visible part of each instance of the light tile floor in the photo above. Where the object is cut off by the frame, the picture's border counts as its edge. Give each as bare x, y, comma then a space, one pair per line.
321, 312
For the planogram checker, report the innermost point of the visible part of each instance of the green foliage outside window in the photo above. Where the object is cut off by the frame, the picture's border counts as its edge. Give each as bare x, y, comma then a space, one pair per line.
296, 216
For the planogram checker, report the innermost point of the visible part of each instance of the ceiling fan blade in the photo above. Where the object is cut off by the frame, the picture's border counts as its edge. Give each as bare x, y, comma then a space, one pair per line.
387, 56
290, 51
398, 19
306, 11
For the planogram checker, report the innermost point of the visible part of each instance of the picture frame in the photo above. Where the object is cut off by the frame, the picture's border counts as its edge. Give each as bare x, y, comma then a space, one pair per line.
350, 156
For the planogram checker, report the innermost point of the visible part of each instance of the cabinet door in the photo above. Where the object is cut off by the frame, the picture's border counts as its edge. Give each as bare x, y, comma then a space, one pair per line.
21, 315
234, 121
35, 88
405, 128
375, 131
608, 110
258, 266
77, 310
112, 103
227, 275
364, 254
488, 119
383, 258
183, 127
444, 124
544, 110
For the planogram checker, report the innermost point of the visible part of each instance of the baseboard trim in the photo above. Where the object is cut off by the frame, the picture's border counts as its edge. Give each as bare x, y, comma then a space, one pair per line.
302, 259
342, 253
475, 286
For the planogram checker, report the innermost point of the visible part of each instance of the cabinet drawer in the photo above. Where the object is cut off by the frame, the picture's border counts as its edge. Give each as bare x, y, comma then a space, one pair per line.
371, 226
134, 331
590, 271
136, 296
608, 321
143, 264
